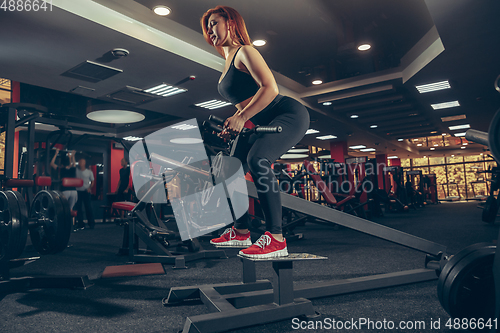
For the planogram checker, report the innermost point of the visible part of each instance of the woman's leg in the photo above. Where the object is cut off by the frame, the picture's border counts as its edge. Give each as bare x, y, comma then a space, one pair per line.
266, 149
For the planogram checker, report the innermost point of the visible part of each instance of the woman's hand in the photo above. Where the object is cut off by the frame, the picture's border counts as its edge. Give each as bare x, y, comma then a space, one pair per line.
232, 126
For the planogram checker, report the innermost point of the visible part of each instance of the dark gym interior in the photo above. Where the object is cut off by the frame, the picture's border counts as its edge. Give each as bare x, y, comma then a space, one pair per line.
389, 201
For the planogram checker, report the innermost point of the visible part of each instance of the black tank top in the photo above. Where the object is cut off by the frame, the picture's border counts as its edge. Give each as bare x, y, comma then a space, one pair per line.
237, 86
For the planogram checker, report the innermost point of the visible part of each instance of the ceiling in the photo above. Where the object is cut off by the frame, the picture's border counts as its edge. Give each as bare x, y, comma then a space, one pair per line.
413, 42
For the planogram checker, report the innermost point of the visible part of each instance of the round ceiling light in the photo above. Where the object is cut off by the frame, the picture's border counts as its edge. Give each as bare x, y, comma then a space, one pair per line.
317, 82
298, 150
161, 10
364, 47
293, 156
115, 116
186, 141
259, 42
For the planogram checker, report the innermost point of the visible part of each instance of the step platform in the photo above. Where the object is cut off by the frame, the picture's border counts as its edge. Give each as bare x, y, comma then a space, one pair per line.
238, 305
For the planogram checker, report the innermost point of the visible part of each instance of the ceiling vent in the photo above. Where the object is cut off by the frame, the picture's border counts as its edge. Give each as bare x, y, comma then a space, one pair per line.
91, 72
132, 95
81, 90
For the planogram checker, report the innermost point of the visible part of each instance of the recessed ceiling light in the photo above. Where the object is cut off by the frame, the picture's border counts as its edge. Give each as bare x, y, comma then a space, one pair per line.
463, 147
165, 90
391, 157
434, 132
354, 116
445, 105
327, 103
453, 128
425, 156
312, 131
419, 144
161, 10
115, 116
293, 156
433, 148
465, 143
436, 145
317, 82
132, 138
460, 134
373, 126
451, 118
357, 147
213, 104
259, 42
186, 141
364, 47
367, 150
401, 140
444, 134
326, 137
433, 87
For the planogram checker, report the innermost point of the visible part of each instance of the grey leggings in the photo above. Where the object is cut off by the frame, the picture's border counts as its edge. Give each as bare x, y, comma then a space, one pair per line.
265, 149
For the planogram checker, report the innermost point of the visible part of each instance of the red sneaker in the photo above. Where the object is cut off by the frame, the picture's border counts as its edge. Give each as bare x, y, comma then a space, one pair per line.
266, 247
232, 238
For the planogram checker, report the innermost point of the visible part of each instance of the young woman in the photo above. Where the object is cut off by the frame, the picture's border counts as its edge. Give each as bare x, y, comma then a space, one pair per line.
248, 83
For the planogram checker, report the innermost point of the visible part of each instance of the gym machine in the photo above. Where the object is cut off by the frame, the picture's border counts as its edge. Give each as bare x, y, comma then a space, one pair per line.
466, 281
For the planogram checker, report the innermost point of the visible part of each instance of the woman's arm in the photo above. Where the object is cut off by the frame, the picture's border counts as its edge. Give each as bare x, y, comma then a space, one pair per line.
263, 76
268, 90
53, 161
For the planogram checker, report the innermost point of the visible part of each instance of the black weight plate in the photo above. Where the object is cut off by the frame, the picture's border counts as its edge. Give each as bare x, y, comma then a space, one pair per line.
494, 136
468, 291
48, 210
24, 224
490, 210
451, 264
66, 227
10, 226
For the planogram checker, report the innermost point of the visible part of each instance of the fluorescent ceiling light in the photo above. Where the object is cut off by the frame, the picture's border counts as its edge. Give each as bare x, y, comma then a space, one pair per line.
184, 127
357, 147
293, 156
326, 137
401, 140
453, 128
451, 118
463, 147
161, 10
132, 138
433, 148
445, 105
465, 143
259, 42
425, 88
316, 82
419, 144
391, 157
115, 116
444, 134
213, 104
373, 126
364, 47
354, 116
186, 141
327, 103
165, 90
460, 134
324, 157
367, 150
436, 145
311, 131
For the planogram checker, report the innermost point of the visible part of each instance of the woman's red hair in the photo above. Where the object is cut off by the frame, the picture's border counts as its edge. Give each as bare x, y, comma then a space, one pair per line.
238, 31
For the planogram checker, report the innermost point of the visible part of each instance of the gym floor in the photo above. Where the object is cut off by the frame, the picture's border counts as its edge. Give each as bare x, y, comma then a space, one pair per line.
134, 304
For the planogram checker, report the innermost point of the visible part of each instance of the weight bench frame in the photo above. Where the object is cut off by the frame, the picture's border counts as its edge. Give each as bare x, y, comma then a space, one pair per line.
139, 227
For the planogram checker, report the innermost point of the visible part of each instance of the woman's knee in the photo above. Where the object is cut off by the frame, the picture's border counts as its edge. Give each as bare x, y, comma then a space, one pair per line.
258, 166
